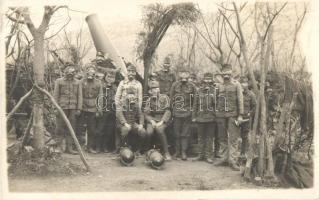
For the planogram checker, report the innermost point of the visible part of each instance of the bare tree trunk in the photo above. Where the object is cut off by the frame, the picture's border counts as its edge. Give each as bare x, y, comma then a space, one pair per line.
147, 69
38, 69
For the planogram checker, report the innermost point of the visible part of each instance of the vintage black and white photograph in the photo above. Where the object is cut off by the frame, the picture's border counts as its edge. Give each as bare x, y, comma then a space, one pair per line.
157, 96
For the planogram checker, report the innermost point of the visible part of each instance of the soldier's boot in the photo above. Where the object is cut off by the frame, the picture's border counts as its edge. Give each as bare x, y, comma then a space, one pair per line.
90, 146
177, 153
69, 146
208, 148
99, 143
201, 148
184, 146
163, 140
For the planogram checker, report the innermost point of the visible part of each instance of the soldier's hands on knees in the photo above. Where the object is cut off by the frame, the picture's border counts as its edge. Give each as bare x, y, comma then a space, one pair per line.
160, 123
153, 123
139, 126
128, 126
194, 120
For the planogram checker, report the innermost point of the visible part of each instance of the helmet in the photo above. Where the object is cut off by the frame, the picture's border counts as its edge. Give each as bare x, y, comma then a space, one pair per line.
155, 159
126, 156
208, 77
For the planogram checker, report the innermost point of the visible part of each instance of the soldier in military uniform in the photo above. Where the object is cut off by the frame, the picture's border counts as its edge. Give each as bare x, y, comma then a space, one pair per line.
204, 116
166, 77
128, 101
68, 94
106, 124
229, 108
182, 99
91, 90
249, 110
158, 114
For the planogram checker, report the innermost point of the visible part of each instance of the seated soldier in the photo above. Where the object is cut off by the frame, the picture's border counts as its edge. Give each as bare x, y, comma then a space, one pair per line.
157, 115
129, 116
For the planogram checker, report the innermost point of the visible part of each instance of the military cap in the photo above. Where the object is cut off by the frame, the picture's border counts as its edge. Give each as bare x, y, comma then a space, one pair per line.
130, 66
192, 75
243, 79
99, 56
167, 61
89, 66
153, 84
226, 69
69, 66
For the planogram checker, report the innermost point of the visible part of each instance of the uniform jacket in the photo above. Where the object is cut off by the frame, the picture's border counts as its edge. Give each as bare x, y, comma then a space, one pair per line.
109, 92
230, 101
204, 104
92, 90
134, 88
126, 112
249, 103
68, 93
157, 109
166, 80
182, 98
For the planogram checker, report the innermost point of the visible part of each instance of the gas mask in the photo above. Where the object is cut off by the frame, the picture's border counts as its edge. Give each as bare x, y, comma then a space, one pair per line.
109, 79
70, 71
131, 74
90, 74
226, 77
184, 77
166, 68
207, 83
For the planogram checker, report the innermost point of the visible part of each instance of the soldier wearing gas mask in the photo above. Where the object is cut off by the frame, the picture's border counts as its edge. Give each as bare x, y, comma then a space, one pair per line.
204, 116
157, 114
182, 98
166, 77
128, 101
229, 108
92, 89
68, 94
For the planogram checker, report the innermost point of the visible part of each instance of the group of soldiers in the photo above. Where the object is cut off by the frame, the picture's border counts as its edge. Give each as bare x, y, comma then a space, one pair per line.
100, 109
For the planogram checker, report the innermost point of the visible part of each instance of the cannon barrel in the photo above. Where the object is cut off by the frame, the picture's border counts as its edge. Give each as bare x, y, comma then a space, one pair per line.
103, 44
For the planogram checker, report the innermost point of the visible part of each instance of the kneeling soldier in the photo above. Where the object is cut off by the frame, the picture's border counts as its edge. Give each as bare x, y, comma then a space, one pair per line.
204, 115
157, 115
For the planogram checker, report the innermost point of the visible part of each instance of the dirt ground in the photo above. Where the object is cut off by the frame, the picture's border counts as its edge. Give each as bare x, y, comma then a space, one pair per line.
109, 175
